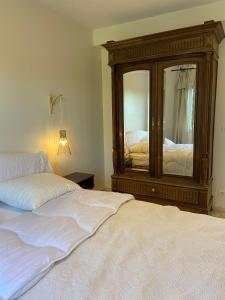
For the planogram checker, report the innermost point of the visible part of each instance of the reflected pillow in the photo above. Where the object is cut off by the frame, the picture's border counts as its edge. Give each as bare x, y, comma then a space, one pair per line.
134, 137
30, 192
168, 142
142, 147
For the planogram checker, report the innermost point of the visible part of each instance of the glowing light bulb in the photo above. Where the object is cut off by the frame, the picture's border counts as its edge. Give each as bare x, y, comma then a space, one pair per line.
64, 147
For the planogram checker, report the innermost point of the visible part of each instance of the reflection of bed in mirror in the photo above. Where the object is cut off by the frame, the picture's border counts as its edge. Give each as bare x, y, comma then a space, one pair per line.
177, 158
178, 119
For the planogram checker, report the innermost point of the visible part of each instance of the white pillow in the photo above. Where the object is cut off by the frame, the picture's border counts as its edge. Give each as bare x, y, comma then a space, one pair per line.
30, 192
13, 165
168, 142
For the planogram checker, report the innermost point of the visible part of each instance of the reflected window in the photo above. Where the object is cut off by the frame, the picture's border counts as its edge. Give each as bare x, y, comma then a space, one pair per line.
178, 120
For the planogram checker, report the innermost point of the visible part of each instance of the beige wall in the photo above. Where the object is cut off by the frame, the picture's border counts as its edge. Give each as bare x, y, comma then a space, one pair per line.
41, 52
188, 17
197, 15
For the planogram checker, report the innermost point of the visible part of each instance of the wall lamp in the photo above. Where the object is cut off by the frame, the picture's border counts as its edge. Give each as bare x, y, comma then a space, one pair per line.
64, 147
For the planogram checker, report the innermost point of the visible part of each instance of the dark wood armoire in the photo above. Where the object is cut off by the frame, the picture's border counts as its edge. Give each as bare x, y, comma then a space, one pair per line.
163, 99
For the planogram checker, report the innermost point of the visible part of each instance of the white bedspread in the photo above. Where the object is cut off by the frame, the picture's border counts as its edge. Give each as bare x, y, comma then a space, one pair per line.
178, 159
31, 243
144, 252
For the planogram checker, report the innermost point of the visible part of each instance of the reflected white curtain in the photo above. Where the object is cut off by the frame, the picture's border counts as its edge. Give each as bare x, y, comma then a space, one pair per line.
184, 105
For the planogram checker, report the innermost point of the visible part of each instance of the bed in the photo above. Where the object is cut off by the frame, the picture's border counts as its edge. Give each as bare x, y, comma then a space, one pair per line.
139, 251
177, 158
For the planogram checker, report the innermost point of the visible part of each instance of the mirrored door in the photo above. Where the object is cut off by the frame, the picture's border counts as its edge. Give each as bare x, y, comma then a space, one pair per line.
136, 99
179, 119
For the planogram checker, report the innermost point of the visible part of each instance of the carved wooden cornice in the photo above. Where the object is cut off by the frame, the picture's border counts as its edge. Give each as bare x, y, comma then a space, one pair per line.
195, 39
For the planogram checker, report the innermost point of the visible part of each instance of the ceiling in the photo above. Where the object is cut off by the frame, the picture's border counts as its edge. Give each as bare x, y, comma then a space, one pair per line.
101, 13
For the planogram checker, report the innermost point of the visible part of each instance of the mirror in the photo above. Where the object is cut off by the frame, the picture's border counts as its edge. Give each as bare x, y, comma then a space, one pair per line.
178, 119
136, 93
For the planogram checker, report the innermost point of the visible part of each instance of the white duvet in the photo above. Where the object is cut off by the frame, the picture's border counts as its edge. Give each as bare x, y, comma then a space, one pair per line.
143, 252
31, 243
178, 159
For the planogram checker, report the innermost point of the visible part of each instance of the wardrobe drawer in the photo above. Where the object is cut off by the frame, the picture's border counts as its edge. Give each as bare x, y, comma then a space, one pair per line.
181, 195
170, 194
138, 188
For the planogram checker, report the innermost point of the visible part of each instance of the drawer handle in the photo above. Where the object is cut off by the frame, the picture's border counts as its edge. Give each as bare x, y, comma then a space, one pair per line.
153, 190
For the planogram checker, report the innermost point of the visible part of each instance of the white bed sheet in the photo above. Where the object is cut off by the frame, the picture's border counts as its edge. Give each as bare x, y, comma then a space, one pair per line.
145, 251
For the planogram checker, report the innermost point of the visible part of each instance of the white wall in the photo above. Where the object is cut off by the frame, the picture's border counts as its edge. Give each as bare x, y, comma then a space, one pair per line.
194, 16
183, 18
41, 52
219, 136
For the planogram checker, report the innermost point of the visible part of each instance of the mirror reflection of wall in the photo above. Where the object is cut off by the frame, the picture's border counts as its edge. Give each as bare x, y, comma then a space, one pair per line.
136, 119
178, 121
136, 98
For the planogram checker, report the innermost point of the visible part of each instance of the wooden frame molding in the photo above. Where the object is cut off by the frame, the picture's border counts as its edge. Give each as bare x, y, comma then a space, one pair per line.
188, 40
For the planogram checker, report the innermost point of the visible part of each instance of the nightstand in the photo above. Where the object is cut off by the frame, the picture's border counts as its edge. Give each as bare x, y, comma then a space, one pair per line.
86, 181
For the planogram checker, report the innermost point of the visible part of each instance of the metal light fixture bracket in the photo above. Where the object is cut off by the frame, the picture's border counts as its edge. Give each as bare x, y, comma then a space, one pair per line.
53, 101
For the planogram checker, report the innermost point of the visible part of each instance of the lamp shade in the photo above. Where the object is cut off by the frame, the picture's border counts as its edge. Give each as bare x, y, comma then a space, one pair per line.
64, 147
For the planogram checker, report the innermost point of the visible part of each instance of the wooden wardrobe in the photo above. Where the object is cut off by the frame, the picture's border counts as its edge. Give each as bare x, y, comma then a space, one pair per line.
163, 99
